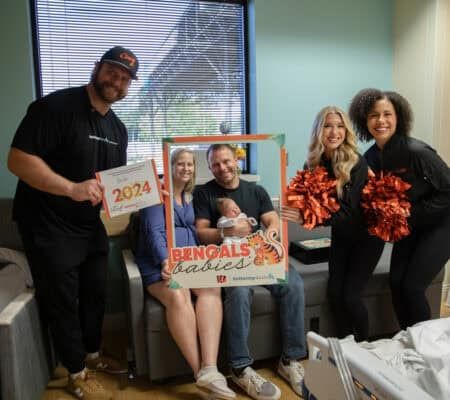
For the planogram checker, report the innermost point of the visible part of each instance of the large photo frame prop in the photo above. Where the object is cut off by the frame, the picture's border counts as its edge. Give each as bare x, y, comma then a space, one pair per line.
243, 264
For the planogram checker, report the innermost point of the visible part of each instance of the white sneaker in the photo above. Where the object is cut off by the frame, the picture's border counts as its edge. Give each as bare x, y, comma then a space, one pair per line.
213, 382
256, 386
294, 373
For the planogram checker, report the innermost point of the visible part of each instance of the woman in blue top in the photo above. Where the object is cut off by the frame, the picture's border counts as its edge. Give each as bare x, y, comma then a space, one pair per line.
195, 327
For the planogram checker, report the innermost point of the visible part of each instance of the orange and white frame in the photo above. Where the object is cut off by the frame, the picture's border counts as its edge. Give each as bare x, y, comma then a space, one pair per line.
259, 260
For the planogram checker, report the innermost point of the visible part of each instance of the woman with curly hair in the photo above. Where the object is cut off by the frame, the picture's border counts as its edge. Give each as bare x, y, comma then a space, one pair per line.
417, 258
353, 254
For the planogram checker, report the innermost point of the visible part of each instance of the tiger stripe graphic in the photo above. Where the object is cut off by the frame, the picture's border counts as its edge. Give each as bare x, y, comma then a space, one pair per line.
268, 251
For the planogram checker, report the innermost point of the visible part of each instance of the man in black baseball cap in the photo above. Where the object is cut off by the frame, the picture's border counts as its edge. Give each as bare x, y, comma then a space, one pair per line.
112, 76
123, 57
63, 140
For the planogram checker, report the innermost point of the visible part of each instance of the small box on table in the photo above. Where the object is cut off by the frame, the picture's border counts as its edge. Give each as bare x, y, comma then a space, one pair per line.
310, 251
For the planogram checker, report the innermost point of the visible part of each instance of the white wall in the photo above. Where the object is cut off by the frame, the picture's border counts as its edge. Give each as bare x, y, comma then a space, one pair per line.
421, 70
421, 66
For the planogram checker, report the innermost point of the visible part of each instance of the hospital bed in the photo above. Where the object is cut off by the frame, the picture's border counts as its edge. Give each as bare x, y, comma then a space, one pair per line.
369, 376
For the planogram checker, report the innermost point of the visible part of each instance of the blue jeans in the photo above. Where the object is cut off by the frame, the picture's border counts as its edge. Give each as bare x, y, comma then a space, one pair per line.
237, 306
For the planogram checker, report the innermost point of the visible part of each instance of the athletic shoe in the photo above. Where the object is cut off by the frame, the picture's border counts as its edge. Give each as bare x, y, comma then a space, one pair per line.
294, 373
256, 386
86, 387
105, 364
209, 379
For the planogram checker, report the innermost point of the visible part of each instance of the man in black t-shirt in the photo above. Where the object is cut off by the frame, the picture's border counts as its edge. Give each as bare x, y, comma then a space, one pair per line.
254, 201
65, 138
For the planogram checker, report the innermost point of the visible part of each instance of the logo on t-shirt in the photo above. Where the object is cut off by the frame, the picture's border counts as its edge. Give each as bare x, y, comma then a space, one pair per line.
101, 139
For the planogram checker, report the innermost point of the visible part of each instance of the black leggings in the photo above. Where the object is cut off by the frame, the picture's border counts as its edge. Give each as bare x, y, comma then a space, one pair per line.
415, 262
71, 301
352, 261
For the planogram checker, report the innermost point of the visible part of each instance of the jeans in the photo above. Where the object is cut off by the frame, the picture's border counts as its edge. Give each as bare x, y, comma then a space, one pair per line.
237, 309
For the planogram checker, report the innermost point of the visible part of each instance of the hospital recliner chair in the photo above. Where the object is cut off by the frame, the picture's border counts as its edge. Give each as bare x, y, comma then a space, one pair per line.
25, 360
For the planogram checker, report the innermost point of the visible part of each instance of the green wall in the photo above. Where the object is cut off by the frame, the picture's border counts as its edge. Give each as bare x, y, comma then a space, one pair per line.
16, 79
313, 53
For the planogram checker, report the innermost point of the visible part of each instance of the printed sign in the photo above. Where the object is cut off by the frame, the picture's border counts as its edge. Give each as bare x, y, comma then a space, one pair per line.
130, 188
256, 259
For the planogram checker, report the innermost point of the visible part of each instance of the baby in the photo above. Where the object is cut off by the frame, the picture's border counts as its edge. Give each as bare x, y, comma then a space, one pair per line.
231, 213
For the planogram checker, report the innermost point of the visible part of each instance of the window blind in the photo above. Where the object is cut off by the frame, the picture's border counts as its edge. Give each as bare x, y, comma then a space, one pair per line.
192, 62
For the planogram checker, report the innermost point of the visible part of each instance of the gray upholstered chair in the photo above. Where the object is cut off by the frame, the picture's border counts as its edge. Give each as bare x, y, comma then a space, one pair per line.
24, 359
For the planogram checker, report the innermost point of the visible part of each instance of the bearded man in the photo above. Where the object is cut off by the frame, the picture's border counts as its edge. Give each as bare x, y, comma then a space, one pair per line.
63, 140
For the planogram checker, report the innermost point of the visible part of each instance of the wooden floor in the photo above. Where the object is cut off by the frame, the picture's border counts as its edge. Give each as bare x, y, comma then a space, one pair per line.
179, 388
176, 389
141, 390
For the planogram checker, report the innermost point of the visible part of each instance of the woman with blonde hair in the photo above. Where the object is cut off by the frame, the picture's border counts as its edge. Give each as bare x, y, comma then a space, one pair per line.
353, 253
195, 327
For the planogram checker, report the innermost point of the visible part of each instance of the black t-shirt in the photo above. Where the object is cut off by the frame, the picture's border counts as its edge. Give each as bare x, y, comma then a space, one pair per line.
252, 199
75, 141
418, 164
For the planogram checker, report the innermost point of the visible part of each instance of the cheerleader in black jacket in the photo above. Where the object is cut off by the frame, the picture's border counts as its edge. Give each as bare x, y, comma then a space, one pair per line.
353, 254
418, 258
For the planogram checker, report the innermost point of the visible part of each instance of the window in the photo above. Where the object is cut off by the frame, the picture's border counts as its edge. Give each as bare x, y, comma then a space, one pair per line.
192, 74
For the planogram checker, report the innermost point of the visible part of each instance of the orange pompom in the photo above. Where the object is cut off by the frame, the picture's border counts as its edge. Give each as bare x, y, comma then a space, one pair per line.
386, 207
314, 194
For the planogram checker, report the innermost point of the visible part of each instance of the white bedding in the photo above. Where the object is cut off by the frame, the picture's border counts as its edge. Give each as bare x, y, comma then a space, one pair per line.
414, 365
421, 353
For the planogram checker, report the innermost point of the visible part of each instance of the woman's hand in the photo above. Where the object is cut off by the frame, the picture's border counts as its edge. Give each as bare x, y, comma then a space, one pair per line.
291, 214
165, 273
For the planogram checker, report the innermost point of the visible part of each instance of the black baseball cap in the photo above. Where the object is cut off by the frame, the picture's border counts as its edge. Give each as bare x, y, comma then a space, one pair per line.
125, 58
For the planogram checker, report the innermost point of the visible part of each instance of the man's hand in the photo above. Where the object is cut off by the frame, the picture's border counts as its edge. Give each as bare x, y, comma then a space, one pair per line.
291, 214
271, 233
241, 228
90, 190
36, 172
271, 222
